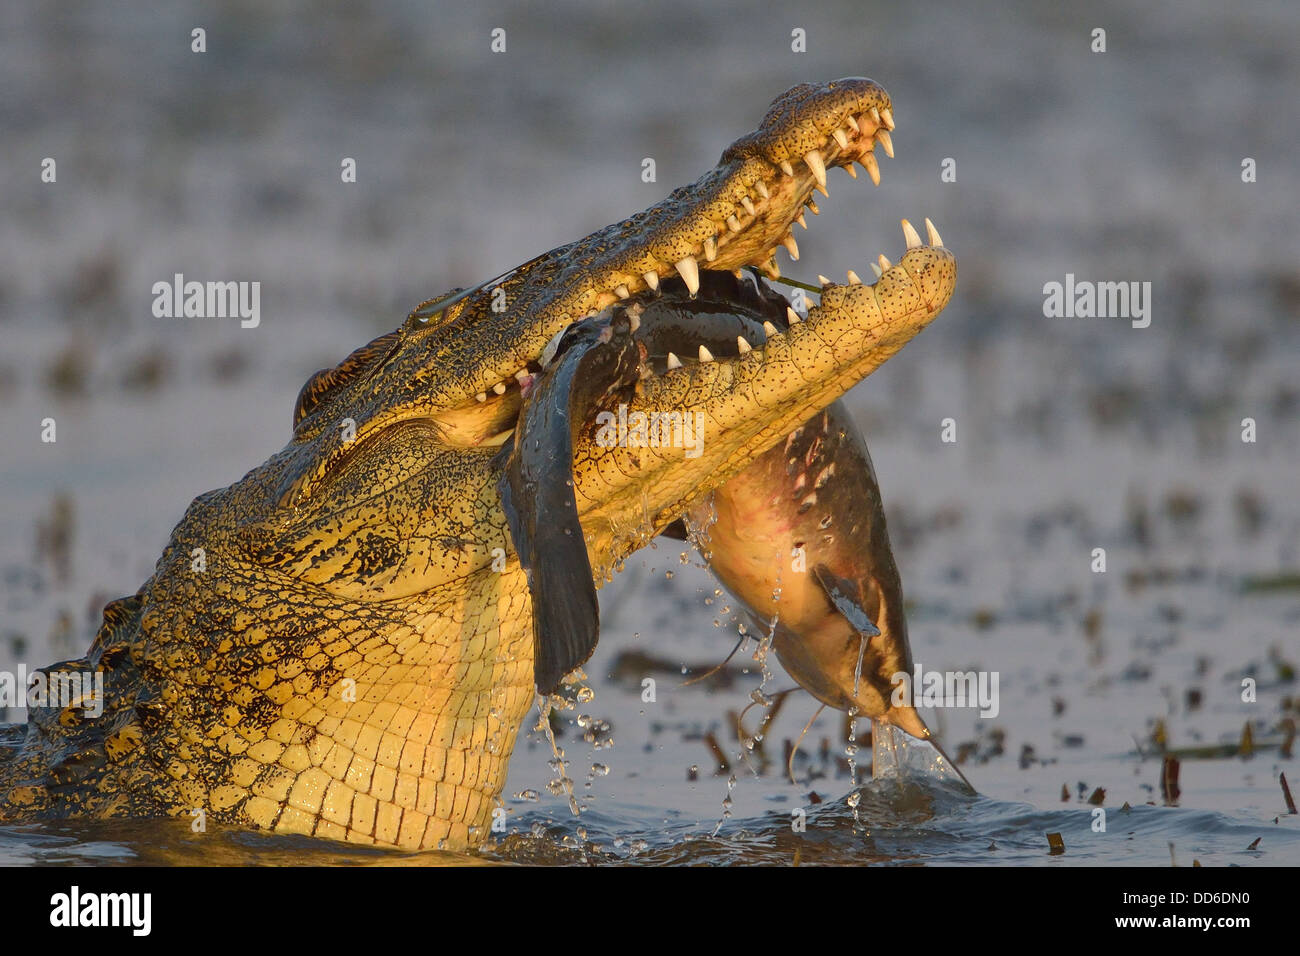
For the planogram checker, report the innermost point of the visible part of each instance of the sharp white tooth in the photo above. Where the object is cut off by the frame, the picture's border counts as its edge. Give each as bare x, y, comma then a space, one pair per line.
814, 161
853, 278
742, 345
521, 376
794, 317
761, 188
705, 355
872, 167
854, 123
689, 270
481, 396
791, 246
884, 262
853, 173
933, 234
749, 206
875, 116
913, 240
800, 220
733, 223
711, 248
548, 353
674, 361
786, 167
652, 280
499, 388
620, 290
634, 318
770, 329
812, 206
887, 117
877, 270
841, 138
886, 141
823, 280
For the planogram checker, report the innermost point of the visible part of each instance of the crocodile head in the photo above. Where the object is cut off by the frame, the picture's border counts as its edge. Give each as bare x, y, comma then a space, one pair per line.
351, 652
448, 385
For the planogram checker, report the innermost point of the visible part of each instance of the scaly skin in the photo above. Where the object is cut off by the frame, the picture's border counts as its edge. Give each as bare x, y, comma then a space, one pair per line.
341, 658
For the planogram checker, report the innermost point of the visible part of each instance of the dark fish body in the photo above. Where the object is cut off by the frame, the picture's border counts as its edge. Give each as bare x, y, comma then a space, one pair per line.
596, 359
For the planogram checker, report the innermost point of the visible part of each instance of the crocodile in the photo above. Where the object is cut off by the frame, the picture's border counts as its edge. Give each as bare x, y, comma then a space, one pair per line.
341, 643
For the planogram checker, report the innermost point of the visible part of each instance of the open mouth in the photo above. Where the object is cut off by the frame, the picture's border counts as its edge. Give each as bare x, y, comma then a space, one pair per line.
724, 316
738, 215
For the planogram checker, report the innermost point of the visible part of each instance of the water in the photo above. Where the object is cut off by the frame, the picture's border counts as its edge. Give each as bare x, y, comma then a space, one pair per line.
1072, 434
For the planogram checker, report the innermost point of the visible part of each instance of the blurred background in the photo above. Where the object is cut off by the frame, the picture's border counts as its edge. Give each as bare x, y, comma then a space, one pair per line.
1072, 434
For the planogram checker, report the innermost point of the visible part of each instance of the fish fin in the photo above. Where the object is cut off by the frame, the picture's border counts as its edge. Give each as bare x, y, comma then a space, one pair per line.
844, 595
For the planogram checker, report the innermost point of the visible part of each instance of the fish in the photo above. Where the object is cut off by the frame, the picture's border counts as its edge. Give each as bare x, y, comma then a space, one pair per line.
798, 537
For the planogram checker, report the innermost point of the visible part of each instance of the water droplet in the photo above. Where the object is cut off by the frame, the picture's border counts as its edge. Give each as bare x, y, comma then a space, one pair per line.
600, 770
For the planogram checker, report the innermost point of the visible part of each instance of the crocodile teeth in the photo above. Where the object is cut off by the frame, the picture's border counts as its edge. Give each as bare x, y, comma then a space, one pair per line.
524, 375
499, 388
744, 346
886, 141
733, 223
854, 123
823, 280
481, 396
786, 167
620, 290
791, 246
749, 206
710, 248
812, 206
877, 270
689, 270
913, 240
933, 234
887, 117
794, 317
770, 329
851, 171
875, 116
673, 361
801, 221
705, 355
853, 278
761, 188
841, 138
771, 268
652, 280
872, 167
884, 262
814, 161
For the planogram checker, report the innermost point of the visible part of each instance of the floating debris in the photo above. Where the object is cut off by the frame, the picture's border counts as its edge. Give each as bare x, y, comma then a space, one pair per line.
1055, 844
1169, 779
1286, 792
